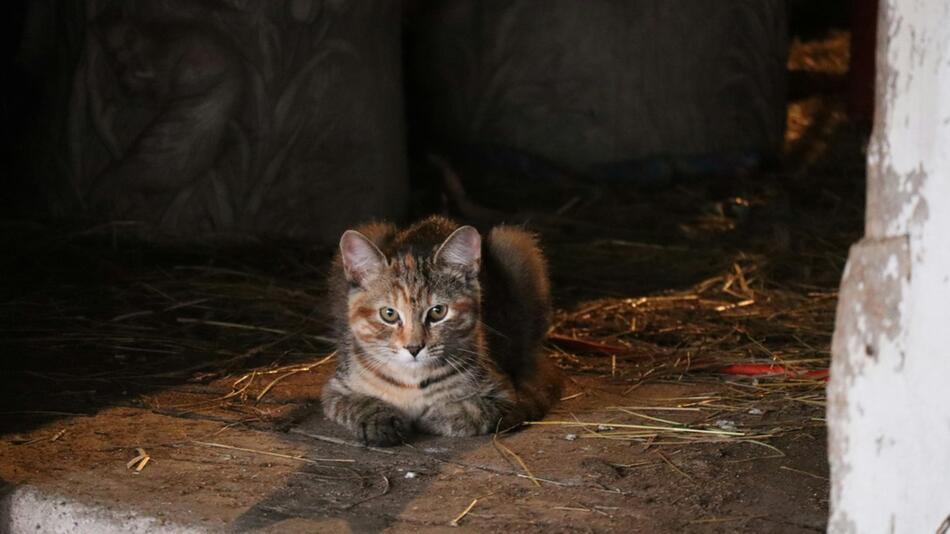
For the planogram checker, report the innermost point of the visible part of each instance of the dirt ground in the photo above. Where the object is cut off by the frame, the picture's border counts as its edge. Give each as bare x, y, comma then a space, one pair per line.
210, 360
585, 483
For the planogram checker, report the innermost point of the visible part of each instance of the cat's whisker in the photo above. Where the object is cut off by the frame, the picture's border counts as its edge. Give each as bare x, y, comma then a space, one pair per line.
492, 329
465, 373
461, 372
479, 355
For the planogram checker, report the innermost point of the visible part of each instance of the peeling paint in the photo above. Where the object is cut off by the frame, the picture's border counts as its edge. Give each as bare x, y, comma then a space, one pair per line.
890, 270
888, 416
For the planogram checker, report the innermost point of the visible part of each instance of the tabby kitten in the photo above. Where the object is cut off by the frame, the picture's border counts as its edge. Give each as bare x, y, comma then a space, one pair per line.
438, 331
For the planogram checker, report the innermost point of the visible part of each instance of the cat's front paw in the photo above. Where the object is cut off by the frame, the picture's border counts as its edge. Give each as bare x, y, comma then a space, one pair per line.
383, 426
462, 418
464, 428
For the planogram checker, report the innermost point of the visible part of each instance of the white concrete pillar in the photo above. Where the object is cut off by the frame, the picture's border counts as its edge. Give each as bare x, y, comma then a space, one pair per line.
889, 394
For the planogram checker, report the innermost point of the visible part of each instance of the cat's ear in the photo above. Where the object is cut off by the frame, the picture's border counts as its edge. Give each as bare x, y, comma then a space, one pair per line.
463, 248
361, 258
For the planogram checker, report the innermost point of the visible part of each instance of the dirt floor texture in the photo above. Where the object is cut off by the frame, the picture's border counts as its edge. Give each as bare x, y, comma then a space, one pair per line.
693, 323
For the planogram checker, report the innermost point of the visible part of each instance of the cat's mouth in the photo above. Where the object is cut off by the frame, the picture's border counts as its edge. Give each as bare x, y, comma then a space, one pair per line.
405, 357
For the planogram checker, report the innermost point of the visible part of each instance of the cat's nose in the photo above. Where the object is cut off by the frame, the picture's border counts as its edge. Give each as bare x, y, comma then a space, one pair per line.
414, 349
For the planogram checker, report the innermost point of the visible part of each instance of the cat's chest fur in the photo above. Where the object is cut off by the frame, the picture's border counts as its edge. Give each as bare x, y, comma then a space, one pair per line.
411, 389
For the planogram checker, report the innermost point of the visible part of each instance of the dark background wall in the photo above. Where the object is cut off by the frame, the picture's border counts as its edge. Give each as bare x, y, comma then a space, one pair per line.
202, 118
591, 83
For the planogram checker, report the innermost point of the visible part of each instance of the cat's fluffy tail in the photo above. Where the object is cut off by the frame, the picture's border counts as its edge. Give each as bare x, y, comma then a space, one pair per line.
537, 394
522, 321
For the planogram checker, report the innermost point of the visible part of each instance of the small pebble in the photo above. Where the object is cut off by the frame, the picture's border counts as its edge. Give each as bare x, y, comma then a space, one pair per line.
570, 437
411, 474
756, 411
727, 425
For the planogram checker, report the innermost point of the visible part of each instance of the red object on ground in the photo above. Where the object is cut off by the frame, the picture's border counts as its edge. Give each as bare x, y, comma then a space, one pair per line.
755, 369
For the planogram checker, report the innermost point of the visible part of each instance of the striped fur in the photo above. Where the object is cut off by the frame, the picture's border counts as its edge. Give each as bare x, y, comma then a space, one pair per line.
478, 368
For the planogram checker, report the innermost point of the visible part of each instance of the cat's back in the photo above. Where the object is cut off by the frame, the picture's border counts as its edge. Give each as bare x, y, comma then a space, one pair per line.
422, 238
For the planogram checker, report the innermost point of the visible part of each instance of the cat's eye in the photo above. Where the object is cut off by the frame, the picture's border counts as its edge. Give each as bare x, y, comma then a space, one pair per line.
437, 313
388, 315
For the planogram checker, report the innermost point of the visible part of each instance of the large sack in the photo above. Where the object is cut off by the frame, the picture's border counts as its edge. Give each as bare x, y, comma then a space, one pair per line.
597, 82
277, 118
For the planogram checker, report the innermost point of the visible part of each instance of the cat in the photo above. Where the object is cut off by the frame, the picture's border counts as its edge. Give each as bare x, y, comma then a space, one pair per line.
438, 331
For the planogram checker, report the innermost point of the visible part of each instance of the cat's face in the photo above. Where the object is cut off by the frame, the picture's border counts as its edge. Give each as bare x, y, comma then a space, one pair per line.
412, 309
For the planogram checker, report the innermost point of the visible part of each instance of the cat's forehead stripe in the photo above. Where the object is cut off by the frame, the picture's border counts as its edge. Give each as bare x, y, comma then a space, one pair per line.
404, 264
402, 297
409, 297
